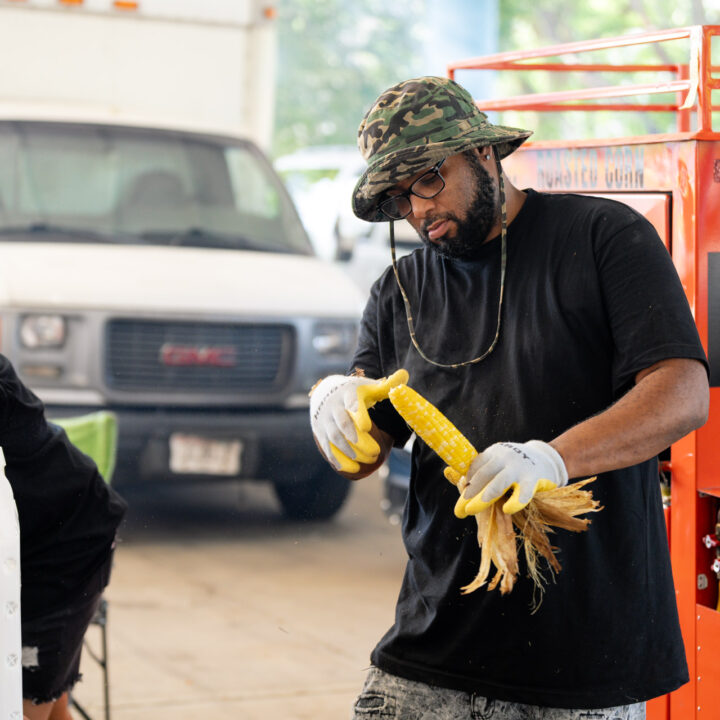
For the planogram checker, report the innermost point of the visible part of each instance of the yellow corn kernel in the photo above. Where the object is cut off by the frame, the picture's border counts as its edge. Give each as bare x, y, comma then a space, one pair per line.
452, 475
434, 428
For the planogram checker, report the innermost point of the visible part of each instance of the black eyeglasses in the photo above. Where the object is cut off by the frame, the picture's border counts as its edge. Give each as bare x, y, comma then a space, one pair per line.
398, 207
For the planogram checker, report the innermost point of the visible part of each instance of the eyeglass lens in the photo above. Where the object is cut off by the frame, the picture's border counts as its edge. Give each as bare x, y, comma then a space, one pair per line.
427, 186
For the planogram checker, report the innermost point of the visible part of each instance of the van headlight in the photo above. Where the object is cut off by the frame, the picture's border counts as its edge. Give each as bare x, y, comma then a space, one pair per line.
337, 339
42, 331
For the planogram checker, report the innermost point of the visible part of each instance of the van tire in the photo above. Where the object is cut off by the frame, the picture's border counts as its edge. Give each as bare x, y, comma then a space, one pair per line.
316, 498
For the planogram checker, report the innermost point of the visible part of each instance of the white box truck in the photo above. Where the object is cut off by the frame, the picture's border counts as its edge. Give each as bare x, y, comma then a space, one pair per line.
151, 261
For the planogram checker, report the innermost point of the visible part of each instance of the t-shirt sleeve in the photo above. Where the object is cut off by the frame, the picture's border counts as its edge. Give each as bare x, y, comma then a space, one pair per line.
649, 314
23, 427
369, 359
367, 353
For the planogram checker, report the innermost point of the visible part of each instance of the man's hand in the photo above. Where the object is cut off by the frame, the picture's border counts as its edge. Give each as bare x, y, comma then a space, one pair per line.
524, 467
339, 418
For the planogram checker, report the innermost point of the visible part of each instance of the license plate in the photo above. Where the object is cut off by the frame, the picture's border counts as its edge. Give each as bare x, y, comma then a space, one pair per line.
190, 454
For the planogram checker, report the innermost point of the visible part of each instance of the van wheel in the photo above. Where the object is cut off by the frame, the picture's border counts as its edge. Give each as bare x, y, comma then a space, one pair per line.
317, 498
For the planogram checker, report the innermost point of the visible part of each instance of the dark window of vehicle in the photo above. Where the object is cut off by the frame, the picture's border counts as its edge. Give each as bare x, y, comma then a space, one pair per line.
126, 184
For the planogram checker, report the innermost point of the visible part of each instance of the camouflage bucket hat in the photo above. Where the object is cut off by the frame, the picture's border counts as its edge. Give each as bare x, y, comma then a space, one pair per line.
411, 127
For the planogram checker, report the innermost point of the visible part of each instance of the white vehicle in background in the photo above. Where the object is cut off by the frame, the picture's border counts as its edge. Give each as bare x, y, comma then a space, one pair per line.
151, 260
321, 180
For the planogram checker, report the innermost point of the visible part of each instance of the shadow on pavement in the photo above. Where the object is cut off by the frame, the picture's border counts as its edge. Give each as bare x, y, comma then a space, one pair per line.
227, 510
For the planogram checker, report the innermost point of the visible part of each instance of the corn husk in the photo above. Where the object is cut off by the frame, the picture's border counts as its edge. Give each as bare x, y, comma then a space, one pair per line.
499, 535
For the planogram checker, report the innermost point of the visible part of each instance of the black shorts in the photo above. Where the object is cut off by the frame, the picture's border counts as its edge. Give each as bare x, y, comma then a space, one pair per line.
52, 644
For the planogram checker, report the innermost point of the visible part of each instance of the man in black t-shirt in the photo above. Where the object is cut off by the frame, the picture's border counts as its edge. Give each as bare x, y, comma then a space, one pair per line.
68, 517
553, 331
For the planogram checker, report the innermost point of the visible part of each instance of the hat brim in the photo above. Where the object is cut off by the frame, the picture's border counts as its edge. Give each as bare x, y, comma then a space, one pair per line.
375, 180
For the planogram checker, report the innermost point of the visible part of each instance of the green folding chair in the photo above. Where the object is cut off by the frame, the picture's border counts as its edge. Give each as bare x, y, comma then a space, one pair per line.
95, 434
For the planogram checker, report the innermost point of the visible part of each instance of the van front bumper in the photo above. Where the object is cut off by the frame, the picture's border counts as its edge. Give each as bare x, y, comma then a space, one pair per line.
275, 445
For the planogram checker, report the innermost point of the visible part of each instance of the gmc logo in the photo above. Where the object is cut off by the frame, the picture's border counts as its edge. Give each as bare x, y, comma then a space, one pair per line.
187, 355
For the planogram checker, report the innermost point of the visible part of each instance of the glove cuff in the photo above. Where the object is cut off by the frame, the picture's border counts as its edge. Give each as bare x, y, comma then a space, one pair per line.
554, 456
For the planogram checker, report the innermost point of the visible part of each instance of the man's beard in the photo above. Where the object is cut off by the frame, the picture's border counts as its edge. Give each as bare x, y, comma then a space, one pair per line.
471, 232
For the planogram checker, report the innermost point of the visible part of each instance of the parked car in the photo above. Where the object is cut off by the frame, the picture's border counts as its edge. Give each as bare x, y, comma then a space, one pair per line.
321, 180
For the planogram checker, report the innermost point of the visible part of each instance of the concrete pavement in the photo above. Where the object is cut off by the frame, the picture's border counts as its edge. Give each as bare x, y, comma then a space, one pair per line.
220, 608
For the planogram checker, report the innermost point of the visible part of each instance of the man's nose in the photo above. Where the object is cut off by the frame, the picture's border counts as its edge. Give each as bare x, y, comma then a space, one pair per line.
420, 206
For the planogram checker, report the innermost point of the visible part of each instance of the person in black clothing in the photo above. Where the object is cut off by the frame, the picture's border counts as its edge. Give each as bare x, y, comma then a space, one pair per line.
553, 331
68, 518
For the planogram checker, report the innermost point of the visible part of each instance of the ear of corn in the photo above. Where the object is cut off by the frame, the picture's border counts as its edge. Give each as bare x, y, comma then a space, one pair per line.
452, 475
434, 428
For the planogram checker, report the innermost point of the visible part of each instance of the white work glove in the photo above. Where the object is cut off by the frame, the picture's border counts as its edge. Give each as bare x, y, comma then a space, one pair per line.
525, 467
339, 417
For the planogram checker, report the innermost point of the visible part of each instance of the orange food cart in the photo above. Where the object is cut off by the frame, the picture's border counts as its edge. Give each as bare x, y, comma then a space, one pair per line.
674, 180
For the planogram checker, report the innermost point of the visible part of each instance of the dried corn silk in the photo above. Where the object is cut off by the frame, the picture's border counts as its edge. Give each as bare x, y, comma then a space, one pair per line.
498, 541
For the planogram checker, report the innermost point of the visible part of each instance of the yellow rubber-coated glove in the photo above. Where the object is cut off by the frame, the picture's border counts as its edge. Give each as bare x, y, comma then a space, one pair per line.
340, 421
460, 481
526, 468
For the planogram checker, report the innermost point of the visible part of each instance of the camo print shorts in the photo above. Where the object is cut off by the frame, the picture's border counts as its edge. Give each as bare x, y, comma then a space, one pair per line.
388, 696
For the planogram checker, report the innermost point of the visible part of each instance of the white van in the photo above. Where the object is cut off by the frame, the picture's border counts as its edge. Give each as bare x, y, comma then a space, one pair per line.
163, 273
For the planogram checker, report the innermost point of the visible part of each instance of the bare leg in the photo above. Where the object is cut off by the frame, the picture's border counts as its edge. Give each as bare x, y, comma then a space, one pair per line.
57, 710
60, 709
37, 712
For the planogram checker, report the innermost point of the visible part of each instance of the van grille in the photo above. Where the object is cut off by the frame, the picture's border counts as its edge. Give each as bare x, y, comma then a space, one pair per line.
197, 357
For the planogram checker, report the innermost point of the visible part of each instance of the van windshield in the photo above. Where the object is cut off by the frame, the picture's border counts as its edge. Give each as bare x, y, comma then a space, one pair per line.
97, 183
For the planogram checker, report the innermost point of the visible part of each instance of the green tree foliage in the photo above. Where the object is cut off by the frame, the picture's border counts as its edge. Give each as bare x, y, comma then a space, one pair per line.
333, 57
548, 21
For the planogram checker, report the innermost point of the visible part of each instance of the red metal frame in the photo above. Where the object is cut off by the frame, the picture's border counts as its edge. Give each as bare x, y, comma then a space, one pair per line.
694, 80
674, 179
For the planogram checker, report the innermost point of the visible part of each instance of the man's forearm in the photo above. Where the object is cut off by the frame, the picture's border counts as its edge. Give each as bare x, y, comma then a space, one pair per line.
669, 400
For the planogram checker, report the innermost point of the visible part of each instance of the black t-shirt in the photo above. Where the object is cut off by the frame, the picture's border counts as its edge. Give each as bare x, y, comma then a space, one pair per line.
591, 298
68, 515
